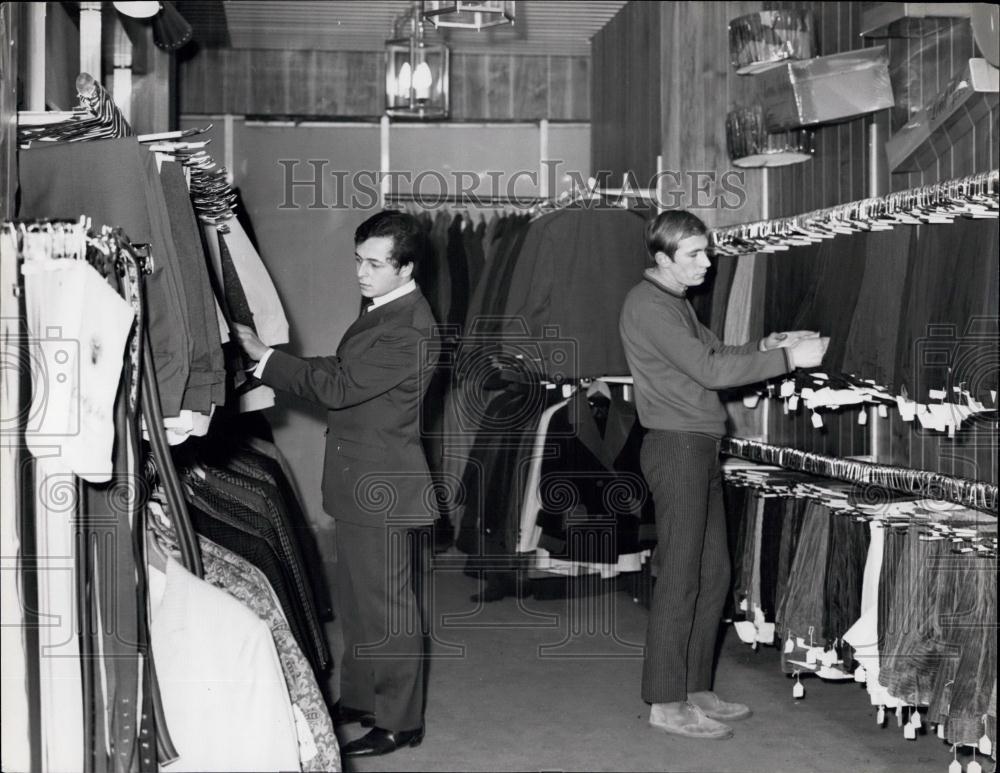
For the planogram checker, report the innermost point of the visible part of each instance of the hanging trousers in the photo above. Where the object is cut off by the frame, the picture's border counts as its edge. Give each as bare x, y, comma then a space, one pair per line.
682, 470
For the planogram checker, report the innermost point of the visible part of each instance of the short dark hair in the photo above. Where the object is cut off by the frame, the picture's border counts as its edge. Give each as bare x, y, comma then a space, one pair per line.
668, 229
407, 236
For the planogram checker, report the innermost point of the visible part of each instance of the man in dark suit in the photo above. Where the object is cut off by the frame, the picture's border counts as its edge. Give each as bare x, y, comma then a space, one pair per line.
375, 479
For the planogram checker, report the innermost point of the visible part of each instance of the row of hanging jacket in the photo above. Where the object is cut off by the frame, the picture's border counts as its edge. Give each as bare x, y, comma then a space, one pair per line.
892, 591
90, 382
204, 276
132, 348
81, 348
252, 658
546, 288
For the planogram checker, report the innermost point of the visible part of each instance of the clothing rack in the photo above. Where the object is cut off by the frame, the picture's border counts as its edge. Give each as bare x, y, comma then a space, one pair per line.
110, 252
975, 196
923, 483
471, 200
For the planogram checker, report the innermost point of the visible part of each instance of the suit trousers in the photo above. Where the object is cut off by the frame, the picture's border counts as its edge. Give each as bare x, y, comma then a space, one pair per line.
682, 470
378, 597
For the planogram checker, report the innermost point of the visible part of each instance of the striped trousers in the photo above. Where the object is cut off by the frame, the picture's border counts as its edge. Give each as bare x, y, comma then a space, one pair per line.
693, 572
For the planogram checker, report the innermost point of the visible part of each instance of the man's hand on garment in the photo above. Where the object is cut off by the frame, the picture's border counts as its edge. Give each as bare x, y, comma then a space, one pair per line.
786, 339
248, 339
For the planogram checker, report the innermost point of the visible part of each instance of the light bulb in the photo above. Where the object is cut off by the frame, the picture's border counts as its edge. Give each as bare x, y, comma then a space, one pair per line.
422, 80
404, 81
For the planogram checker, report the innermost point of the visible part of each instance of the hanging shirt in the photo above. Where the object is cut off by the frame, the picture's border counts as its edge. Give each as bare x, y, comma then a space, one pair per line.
77, 327
224, 695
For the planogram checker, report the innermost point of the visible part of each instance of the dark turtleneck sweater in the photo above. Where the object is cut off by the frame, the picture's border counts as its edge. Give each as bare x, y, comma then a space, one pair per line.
678, 364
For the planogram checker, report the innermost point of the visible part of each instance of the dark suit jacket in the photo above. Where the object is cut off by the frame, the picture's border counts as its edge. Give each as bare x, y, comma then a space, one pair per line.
375, 472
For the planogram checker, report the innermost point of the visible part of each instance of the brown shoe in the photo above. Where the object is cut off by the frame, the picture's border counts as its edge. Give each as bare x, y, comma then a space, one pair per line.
716, 708
687, 720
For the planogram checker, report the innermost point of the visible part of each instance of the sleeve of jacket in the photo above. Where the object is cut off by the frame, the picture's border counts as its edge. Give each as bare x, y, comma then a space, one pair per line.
712, 364
336, 382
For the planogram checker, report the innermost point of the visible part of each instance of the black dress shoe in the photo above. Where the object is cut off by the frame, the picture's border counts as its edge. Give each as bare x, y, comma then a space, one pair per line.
500, 585
378, 741
345, 715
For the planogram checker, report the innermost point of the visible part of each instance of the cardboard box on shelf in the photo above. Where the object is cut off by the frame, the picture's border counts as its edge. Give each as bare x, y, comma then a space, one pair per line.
826, 89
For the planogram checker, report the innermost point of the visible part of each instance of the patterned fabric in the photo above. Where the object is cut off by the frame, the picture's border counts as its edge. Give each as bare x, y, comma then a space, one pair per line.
265, 501
243, 581
103, 106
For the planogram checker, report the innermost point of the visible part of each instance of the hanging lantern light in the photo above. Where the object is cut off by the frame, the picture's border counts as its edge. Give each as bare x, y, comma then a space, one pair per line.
469, 14
416, 72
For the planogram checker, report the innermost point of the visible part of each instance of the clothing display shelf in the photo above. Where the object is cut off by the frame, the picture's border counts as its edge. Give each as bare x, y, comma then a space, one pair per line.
111, 252
96, 116
922, 483
975, 196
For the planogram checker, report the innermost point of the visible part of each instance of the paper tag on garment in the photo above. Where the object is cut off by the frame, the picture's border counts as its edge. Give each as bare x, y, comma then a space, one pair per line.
940, 731
817, 420
828, 658
937, 394
860, 675
798, 691
907, 408
955, 767
910, 732
883, 411
974, 767
789, 646
986, 745
787, 389
915, 719
863, 417
765, 633
793, 403
813, 654
751, 400
880, 715
746, 631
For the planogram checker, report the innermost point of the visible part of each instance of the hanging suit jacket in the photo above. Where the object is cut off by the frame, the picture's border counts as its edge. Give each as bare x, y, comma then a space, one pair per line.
375, 471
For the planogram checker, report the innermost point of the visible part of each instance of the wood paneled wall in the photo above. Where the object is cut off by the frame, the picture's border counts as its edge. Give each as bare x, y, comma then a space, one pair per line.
920, 67
9, 25
698, 87
625, 82
838, 172
666, 66
346, 84
663, 85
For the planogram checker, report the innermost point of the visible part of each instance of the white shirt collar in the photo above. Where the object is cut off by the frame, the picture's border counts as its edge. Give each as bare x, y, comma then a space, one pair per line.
399, 292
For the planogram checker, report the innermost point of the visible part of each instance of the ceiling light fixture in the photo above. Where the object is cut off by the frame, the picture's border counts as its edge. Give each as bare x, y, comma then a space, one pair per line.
469, 14
416, 72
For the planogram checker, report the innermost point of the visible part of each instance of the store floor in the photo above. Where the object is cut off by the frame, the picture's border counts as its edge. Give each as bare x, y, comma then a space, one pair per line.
554, 685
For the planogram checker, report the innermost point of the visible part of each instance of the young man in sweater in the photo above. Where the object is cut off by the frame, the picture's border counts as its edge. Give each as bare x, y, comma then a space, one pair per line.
679, 365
